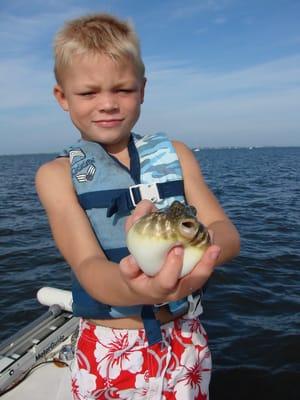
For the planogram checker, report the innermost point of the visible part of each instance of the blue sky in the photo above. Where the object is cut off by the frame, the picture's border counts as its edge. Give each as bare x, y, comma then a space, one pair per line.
220, 72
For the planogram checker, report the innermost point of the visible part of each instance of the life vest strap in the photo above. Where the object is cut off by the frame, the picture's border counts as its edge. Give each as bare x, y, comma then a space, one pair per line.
126, 199
151, 325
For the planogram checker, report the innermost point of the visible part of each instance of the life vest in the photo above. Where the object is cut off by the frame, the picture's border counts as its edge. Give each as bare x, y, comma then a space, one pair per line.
108, 191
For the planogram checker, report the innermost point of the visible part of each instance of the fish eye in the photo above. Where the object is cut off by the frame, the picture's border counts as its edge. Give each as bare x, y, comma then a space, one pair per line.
188, 228
188, 224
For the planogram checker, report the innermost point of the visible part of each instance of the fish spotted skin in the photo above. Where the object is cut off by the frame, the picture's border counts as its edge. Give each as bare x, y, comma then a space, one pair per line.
153, 235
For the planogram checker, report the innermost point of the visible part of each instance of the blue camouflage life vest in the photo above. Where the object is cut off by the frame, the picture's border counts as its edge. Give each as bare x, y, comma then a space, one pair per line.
108, 191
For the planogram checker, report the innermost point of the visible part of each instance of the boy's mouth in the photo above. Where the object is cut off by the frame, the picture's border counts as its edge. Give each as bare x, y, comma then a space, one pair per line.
108, 123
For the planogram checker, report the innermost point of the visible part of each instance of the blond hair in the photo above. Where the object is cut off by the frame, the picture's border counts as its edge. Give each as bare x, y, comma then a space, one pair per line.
100, 34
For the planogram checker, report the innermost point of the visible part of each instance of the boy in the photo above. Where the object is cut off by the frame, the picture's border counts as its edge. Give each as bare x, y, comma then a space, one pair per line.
140, 336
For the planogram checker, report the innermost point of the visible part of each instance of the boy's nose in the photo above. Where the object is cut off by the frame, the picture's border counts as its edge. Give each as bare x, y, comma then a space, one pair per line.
108, 102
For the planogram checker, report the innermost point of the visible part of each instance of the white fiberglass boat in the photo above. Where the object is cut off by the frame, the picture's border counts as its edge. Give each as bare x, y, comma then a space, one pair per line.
34, 363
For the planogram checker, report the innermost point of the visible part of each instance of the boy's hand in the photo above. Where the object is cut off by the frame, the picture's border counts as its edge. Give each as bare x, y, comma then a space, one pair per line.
166, 285
144, 207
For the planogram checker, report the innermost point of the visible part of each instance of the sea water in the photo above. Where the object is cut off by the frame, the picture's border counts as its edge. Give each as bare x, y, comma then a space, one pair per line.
251, 305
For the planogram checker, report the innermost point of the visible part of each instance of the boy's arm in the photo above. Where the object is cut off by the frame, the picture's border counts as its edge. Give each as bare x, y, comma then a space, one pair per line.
226, 241
75, 238
105, 281
209, 211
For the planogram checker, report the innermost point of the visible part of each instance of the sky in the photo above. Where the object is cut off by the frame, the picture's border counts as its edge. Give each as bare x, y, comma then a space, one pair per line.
220, 73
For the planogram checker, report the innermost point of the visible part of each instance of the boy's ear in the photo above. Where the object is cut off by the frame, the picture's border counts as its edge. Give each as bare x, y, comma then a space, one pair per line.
60, 97
143, 90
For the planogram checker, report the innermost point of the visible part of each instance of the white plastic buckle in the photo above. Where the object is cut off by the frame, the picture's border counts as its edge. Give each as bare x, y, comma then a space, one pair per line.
148, 191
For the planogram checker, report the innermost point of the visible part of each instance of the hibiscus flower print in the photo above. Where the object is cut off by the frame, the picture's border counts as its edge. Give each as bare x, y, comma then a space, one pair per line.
191, 379
139, 391
114, 354
83, 379
193, 329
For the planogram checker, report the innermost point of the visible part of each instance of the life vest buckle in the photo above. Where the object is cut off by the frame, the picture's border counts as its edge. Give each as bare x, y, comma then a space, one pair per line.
148, 191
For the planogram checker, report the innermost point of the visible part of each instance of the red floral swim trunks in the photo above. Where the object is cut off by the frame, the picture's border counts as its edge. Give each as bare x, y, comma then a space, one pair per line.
119, 363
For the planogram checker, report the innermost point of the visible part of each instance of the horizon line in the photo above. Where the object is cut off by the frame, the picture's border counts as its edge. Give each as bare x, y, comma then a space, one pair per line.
197, 148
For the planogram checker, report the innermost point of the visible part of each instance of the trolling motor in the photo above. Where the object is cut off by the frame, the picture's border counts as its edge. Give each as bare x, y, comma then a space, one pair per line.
40, 340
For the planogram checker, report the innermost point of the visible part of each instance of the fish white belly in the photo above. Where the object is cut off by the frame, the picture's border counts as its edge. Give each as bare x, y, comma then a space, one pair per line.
150, 253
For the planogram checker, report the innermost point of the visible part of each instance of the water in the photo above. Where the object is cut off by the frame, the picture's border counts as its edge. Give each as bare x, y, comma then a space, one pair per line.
252, 305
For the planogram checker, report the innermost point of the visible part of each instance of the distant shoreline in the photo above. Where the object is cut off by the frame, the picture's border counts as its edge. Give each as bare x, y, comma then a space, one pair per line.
193, 148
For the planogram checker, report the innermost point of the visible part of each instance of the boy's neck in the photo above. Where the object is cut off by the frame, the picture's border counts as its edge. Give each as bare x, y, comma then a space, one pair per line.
122, 156
120, 151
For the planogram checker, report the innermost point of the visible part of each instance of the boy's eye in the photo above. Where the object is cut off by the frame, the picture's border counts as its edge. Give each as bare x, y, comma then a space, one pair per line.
123, 90
86, 94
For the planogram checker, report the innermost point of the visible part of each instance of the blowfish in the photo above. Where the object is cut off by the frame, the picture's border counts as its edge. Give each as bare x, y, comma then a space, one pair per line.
152, 236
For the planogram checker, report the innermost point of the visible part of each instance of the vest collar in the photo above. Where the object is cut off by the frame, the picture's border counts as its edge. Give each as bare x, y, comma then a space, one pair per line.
135, 168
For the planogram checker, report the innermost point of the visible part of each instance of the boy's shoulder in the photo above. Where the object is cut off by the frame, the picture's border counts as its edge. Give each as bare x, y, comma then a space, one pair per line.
55, 167
53, 182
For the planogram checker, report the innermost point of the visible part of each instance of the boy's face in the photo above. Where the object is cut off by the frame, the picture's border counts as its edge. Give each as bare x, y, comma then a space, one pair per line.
103, 98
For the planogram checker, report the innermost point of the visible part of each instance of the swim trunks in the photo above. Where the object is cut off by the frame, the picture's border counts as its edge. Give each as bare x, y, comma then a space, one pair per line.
119, 363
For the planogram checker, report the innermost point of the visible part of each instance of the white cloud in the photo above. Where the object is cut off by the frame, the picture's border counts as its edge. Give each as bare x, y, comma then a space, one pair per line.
220, 20
259, 104
19, 33
192, 8
26, 64
181, 84
24, 83
198, 106
254, 106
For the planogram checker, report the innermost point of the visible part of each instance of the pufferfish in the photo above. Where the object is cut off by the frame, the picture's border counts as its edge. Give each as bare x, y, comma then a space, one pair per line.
152, 236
